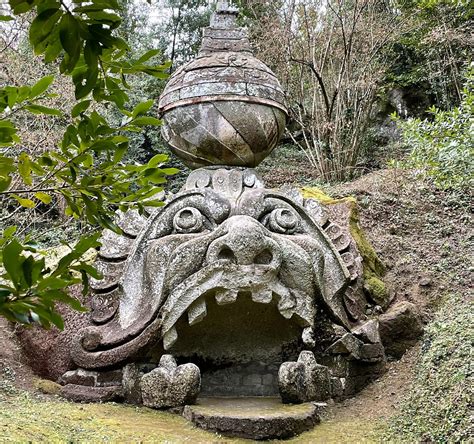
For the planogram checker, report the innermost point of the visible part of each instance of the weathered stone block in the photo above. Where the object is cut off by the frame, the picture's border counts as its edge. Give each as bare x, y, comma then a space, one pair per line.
109, 378
304, 380
81, 393
252, 380
79, 377
131, 384
170, 386
268, 379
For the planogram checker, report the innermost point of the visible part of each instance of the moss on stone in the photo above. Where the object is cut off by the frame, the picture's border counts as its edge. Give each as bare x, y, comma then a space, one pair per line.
373, 267
377, 290
47, 386
438, 406
321, 196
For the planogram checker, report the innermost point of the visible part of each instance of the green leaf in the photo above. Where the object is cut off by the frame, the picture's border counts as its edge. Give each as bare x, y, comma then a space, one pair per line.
71, 41
61, 296
6, 18
148, 55
170, 171
142, 108
42, 26
7, 133
120, 152
53, 48
12, 262
21, 6
9, 231
27, 203
80, 107
41, 86
57, 320
144, 121
156, 160
53, 283
24, 168
154, 203
40, 109
43, 197
5, 182
103, 145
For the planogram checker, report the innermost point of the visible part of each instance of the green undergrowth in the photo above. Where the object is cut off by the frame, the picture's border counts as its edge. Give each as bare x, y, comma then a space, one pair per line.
437, 408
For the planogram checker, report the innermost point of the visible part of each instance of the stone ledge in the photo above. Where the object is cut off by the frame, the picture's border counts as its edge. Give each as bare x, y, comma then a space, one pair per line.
253, 418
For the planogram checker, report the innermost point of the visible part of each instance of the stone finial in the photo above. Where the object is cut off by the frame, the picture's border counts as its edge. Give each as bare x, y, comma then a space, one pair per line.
223, 6
225, 16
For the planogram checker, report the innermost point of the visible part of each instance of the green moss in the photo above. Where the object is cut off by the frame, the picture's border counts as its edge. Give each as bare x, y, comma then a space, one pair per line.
26, 418
321, 196
46, 386
373, 268
377, 290
438, 406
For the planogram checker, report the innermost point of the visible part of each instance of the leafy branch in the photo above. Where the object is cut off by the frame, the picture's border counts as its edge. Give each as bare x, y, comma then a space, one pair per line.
87, 170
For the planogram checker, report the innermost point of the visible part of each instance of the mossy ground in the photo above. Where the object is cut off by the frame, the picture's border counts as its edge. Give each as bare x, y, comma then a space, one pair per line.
29, 418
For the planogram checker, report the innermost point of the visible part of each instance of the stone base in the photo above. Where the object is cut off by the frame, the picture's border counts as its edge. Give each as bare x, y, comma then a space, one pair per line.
254, 418
82, 393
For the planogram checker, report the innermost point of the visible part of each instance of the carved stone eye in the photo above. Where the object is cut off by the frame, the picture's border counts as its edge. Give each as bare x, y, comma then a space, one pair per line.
188, 220
283, 220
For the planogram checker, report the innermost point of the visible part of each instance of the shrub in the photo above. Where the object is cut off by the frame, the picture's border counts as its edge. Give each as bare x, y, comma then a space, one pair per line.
442, 148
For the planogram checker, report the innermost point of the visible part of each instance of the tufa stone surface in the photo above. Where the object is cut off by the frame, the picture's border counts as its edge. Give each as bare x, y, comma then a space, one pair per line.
400, 328
304, 380
81, 393
131, 384
224, 236
169, 385
253, 418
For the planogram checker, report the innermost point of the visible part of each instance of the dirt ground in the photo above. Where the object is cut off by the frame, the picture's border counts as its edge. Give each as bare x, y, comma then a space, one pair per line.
424, 237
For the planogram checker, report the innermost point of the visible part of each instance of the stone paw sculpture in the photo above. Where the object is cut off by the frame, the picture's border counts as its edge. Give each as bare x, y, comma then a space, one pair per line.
304, 380
170, 385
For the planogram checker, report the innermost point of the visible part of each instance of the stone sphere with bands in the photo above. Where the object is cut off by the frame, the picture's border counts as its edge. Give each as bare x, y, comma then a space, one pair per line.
226, 107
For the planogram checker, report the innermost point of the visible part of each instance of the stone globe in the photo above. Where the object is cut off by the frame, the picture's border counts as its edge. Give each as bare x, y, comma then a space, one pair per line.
225, 107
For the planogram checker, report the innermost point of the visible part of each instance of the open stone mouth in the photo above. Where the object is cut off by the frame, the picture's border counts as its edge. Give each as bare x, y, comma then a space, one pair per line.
226, 284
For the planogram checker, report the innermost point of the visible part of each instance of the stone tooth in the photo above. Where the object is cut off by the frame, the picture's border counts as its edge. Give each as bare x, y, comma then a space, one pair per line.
287, 302
197, 312
308, 337
262, 296
286, 305
226, 297
169, 338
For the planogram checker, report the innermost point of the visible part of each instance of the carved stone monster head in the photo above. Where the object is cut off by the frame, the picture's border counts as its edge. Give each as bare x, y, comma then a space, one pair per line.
223, 237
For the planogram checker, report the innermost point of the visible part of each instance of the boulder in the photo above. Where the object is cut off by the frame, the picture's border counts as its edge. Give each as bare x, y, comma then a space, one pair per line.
400, 328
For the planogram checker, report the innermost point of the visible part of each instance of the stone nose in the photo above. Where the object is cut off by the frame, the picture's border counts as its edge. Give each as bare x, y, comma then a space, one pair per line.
245, 243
